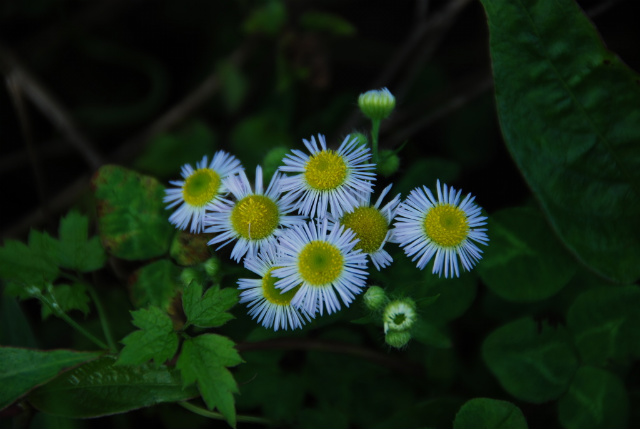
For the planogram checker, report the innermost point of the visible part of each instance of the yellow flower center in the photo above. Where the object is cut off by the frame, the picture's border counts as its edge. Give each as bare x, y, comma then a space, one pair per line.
201, 187
325, 170
369, 225
255, 217
446, 225
273, 294
320, 263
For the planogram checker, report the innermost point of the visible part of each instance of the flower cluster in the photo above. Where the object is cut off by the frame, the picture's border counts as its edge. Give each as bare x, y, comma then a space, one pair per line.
310, 234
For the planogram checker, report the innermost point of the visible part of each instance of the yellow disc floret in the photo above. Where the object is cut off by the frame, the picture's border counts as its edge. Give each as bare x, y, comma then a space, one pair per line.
446, 225
274, 295
320, 263
201, 187
369, 225
255, 217
326, 170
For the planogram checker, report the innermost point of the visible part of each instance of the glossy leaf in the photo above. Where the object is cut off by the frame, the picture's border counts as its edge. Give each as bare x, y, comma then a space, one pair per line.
204, 360
525, 262
132, 219
485, 413
155, 284
155, 340
605, 323
570, 115
533, 363
210, 310
24, 369
100, 388
596, 399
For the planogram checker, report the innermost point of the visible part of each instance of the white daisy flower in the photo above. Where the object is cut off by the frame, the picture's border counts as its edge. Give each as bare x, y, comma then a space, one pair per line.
443, 227
269, 305
199, 187
328, 178
372, 226
255, 219
323, 264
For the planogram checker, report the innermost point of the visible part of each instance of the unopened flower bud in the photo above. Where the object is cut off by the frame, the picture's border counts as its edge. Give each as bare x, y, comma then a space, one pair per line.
397, 339
374, 297
389, 163
377, 104
212, 266
399, 315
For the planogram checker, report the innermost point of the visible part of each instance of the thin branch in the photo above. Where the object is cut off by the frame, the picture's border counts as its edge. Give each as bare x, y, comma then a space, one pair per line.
378, 358
48, 105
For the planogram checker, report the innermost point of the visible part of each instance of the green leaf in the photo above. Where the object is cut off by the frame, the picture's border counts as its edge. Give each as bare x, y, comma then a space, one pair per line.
31, 265
430, 335
524, 261
485, 413
132, 220
24, 369
596, 399
155, 340
328, 22
570, 115
210, 310
203, 360
532, 363
75, 250
100, 388
190, 249
69, 297
166, 153
155, 284
605, 323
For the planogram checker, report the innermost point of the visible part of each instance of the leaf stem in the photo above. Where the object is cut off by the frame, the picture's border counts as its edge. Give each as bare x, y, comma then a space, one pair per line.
375, 131
217, 416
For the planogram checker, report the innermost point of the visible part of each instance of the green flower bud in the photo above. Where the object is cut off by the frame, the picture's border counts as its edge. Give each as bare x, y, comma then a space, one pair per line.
397, 339
399, 315
374, 297
212, 266
389, 163
377, 104
362, 140
190, 274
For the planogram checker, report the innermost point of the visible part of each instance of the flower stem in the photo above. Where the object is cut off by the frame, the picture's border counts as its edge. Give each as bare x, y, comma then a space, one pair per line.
106, 329
375, 130
217, 416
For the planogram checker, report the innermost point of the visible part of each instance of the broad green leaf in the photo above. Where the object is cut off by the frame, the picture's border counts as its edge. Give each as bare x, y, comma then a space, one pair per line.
524, 261
155, 340
75, 250
31, 265
210, 310
570, 115
132, 219
24, 369
485, 413
166, 153
190, 249
328, 22
100, 388
69, 297
204, 360
533, 363
454, 296
596, 399
605, 323
155, 284
430, 335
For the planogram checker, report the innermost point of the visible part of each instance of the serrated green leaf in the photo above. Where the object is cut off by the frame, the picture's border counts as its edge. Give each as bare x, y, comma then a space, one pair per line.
69, 297
533, 363
570, 115
485, 413
132, 219
75, 250
525, 261
31, 265
155, 340
100, 388
596, 399
24, 369
203, 360
605, 323
210, 310
155, 284
430, 335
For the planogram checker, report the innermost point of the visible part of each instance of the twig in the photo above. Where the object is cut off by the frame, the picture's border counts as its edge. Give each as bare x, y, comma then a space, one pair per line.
48, 105
334, 347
